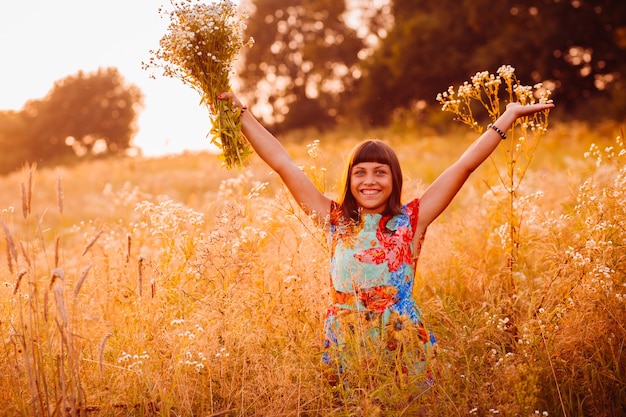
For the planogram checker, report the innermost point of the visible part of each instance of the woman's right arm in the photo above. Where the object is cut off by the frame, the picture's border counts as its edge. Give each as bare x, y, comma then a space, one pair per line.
272, 152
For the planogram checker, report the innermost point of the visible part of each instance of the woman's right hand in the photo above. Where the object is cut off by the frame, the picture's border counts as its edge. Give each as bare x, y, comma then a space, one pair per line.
275, 155
230, 95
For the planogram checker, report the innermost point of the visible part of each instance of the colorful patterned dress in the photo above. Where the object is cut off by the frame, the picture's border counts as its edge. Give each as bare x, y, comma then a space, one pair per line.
373, 321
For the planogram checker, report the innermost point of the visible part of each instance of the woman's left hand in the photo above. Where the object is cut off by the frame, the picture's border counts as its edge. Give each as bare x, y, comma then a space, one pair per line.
520, 110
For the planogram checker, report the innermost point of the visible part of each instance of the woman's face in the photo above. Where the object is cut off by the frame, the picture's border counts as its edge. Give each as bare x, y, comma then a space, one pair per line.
371, 185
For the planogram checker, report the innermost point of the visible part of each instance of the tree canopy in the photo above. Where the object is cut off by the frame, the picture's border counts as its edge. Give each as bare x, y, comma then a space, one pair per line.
85, 113
304, 59
311, 63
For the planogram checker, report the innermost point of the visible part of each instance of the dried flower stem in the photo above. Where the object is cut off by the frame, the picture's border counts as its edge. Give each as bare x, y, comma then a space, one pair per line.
60, 194
92, 242
11, 251
140, 275
79, 284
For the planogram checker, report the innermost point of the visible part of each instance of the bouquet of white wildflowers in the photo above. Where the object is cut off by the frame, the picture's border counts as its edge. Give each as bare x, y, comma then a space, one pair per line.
199, 48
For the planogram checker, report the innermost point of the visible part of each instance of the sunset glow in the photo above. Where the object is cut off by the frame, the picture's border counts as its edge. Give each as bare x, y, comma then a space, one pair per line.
43, 42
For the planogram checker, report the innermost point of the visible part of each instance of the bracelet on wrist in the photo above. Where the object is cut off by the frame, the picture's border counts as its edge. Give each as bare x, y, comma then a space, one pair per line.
243, 109
497, 129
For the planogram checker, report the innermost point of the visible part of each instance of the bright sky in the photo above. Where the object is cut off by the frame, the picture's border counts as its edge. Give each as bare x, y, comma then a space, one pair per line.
42, 41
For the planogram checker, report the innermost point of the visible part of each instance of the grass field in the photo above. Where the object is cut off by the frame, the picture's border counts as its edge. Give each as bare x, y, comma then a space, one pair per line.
174, 287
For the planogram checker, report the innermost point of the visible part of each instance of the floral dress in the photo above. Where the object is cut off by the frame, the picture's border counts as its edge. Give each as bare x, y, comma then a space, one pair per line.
373, 321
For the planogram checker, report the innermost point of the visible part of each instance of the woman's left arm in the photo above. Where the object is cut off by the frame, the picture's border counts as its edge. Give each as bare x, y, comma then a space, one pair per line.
441, 192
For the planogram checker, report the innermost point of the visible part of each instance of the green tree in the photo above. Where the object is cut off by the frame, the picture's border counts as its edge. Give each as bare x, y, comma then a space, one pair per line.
587, 57
83, 113
305, 57
425, 50
578, 46
13, 131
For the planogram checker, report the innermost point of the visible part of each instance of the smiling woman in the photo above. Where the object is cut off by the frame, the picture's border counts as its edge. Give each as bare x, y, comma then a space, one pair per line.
373, 323
73, 35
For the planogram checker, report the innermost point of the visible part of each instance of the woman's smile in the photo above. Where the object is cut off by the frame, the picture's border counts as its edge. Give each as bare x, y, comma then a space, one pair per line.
370, 192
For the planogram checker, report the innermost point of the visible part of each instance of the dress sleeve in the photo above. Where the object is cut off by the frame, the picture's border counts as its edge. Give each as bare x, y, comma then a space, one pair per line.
336, 213
412, 209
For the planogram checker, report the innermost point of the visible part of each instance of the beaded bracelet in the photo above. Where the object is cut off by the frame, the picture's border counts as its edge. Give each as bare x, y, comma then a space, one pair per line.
497, 129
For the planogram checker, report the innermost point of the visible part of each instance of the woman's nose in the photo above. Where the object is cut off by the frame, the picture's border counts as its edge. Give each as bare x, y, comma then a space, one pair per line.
369, 179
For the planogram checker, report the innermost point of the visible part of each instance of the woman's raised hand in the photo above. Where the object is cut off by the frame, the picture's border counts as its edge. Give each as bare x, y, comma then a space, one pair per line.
521, 110
233, 97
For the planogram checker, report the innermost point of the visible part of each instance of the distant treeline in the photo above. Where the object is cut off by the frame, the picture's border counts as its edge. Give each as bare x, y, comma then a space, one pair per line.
83, 114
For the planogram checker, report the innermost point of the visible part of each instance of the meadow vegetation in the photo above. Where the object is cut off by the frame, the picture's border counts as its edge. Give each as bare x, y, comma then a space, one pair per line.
174, 287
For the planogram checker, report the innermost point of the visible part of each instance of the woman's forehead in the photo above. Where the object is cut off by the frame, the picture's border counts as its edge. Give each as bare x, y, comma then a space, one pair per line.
370, 165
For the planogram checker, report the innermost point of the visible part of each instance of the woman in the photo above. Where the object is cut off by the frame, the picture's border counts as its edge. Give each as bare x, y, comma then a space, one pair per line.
373, 320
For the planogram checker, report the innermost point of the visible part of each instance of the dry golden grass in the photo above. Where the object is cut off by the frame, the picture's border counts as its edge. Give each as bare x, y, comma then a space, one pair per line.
174, 287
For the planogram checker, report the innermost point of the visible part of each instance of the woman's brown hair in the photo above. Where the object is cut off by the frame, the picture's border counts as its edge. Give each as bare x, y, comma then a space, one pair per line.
372, 150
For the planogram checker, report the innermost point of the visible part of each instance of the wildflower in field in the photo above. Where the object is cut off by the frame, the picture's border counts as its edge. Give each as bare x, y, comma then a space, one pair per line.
484, 89
222, 353
397, 330
199, 48
197, 365
133, 362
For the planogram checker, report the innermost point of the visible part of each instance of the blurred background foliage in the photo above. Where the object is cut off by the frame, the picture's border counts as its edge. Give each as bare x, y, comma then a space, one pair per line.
337, 59
319, 63
86, 114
